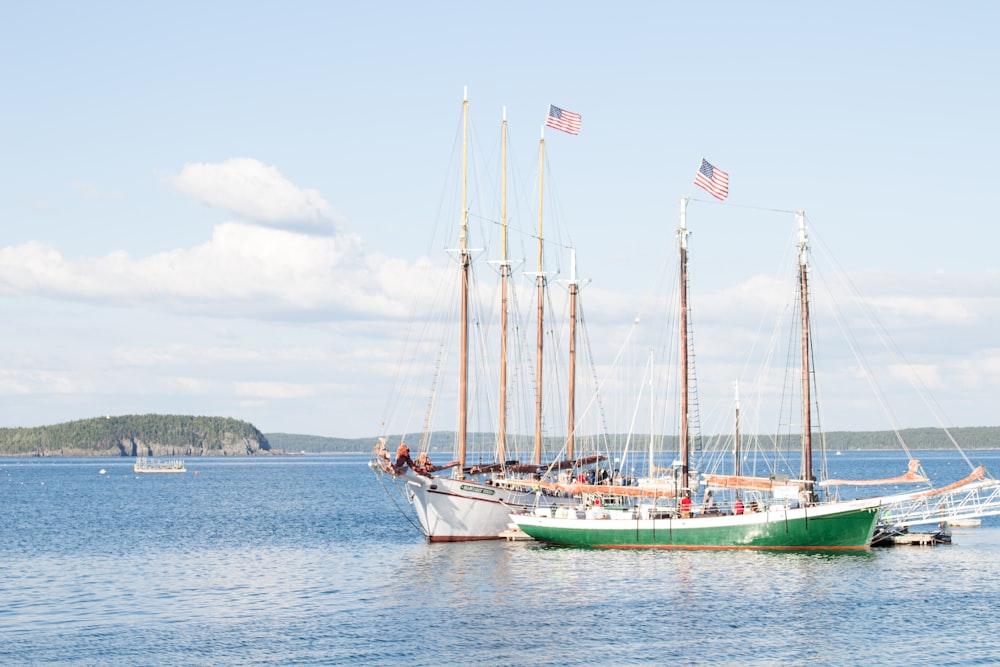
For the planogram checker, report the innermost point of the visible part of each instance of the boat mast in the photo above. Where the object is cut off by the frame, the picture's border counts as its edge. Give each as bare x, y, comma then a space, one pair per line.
652, 421
463, 373
806, 473
540, 281
574, 290
682, 234
736, 438
504, 274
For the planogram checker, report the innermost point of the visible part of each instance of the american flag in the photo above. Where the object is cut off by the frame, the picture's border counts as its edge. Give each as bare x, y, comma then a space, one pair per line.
712, 179
560, 119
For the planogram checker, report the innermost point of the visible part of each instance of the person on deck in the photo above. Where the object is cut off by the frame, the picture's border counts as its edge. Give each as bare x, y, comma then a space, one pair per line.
402, 457
686, 506
423, 465
738, 507
709, 506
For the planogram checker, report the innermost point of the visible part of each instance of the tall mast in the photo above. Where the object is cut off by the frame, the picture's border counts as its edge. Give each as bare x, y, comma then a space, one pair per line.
736, 438
682, 234
463, 373
574, 290
504, 274
652, 421
806, 473
540, 282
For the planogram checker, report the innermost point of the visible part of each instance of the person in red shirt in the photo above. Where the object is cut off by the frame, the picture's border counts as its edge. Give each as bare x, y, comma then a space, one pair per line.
686, 506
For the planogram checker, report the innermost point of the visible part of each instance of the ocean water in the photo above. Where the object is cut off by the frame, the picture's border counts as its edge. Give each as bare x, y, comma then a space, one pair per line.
305, 561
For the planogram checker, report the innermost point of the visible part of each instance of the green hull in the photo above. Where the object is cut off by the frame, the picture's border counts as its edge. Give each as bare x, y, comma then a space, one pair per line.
847, 525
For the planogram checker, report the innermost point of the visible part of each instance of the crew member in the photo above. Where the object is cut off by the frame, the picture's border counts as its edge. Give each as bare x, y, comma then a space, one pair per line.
709, 506
686, 505
402, 456
423, 465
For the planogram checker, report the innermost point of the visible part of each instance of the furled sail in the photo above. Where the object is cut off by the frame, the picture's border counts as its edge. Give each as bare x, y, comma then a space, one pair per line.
740, 482
911, 476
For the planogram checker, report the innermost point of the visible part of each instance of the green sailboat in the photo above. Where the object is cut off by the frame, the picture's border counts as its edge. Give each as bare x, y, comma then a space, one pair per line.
790, 515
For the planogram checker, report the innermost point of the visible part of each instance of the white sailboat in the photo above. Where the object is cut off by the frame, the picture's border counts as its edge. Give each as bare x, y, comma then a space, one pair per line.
462, 502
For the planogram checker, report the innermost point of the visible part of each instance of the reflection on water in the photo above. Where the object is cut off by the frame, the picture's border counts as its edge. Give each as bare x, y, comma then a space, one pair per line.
305, 562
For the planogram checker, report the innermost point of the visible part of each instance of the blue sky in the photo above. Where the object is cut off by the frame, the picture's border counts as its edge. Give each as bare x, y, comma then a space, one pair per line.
217, 208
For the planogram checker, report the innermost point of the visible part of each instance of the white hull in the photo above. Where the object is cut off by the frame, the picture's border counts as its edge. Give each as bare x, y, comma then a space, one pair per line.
457, 510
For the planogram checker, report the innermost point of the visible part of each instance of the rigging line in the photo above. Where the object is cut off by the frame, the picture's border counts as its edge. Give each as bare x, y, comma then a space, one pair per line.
621, 351
635, 413
554, 205
891, 346
532, 235
449, 314
553, 395
518, 364
887, 342
602, 416
869, 378
411, 341
411, 338
403, 512
769, 352
814, 381
743, 206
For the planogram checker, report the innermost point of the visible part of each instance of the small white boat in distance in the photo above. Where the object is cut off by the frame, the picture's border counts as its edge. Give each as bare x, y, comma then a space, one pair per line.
145, 465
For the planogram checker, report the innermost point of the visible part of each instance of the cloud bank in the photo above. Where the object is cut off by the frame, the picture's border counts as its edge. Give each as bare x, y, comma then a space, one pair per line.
269, 264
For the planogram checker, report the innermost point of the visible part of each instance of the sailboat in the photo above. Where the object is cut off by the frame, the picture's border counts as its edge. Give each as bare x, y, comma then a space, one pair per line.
791, 516
460, 502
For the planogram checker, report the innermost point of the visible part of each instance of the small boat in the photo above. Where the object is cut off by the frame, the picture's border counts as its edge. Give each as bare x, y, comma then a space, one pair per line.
145, 465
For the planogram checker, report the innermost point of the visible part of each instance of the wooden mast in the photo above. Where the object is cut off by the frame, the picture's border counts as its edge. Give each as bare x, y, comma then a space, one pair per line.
463, 373
682, 234
806, 473
540, 282
504, 274
574, 290
737, 471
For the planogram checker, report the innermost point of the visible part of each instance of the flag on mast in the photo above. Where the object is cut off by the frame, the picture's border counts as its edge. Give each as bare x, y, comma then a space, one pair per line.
712, 179
563, 120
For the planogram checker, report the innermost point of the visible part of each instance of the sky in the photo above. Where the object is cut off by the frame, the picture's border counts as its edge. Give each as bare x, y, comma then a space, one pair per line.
219, 208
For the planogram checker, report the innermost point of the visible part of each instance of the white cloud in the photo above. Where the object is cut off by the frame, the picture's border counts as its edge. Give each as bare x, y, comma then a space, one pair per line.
242, 270
255, 192
277, 269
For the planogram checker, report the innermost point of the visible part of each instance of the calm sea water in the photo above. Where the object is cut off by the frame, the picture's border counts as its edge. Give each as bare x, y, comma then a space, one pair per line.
305, 561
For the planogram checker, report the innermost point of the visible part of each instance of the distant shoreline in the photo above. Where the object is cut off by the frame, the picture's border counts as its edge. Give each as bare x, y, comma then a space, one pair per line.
273, 455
